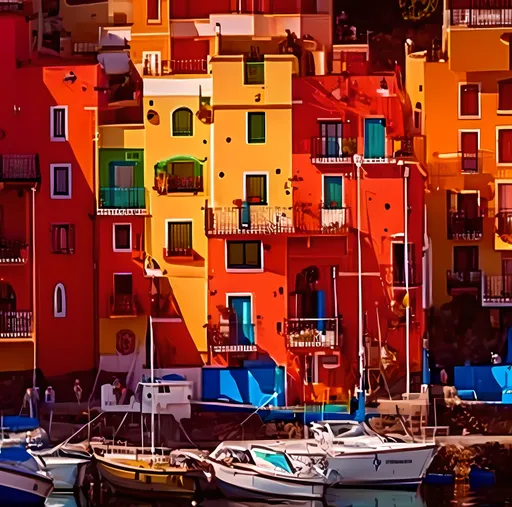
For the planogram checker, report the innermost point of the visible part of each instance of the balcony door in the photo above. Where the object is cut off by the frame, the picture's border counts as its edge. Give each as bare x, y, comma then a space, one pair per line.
7, 298
331, 134
399, 263
374, 138
123, 290
465, 203
465, 259
333, 192
241, 326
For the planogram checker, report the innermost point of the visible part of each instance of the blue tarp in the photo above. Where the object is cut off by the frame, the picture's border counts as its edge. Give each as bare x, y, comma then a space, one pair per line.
17, 424
479, 379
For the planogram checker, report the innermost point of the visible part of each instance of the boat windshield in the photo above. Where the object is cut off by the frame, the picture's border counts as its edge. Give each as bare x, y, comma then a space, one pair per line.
275, 459
347, 431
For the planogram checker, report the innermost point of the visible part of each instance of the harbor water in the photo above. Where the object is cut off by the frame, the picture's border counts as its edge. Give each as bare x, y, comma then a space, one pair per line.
426, 496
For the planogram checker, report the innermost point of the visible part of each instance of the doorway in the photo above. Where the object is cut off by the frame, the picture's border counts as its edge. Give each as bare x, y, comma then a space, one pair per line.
241, 326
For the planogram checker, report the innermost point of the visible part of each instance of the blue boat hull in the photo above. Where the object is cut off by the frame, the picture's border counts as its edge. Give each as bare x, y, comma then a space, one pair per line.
11, 496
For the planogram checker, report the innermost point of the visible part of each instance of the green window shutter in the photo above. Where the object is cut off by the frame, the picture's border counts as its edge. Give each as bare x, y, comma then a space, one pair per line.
182, 120
256, 128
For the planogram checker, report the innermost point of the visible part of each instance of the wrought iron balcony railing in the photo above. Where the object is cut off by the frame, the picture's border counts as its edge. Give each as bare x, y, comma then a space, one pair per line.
463, 281
496, 290
16, 324
313, 333
462, 227
123, 305
122, 198
19, 169
13, 252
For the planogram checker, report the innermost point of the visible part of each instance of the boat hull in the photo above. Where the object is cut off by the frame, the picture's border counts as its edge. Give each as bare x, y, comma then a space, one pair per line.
403, 468
68, 473
23, 488
146, 482
238, 484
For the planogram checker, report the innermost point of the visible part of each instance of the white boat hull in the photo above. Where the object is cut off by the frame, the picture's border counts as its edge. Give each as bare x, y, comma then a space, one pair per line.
236, 483
20, 486
67, 473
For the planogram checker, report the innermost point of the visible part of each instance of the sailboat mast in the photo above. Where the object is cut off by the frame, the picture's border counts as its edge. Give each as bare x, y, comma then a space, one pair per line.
151, 338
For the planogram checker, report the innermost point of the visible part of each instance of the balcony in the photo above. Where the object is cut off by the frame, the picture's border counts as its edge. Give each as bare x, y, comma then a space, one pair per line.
466, 281
13, 252
496, 290
183, 66
475, 17
11, 5
19, 169
325, 150
123, 305
249, 220
223, 339
16, 324
461, 227
504, 223
313, 333
122, 201
172, 184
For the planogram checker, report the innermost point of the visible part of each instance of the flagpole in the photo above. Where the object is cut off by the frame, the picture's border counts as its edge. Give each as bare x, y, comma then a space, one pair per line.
152, 385
358, 162
406, 263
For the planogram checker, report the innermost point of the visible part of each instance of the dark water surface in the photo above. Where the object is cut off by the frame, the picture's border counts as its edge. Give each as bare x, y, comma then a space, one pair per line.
425, 497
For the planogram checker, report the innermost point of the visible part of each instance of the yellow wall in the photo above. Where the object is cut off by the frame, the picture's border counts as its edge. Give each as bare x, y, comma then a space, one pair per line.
440, 111
188, 278
128, 136
232, 100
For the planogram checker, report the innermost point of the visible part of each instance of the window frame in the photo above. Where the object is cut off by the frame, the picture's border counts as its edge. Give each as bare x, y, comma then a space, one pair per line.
240, 268
498, 129
266, 174
498, 109
53, 181
63, 311
70, 250
192, 132
247, 123
159, 66
250, 295
178, 221
115, 248
470, 131
474, 248
155, 21
53, 137
335, 175
459, 103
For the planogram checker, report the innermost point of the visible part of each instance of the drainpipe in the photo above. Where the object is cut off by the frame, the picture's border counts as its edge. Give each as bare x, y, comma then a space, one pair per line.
358, 160
406, 263
218, 35
34, 291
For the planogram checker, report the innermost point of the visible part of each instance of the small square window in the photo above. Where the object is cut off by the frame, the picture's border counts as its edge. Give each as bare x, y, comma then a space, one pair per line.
256, 128
62, 238
256, 189
244, 255
60, 181
254, 73
469, 101
59, 123
122, 238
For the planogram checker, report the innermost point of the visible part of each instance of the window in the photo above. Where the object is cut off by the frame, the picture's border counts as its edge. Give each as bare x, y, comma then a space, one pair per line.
240, 324
122, 238
153, 11
469, 101
59, 123
464, 215
256, 189
123, 302
63, 238
505, 145
333, 192
60, 181
184, 177
151, 66
505, 96
59, 301
465, 259
254, 73
504, 192
179, 239
469, 145
331, 135
374, 138
399, 263
256, 128
244, 255
182, 122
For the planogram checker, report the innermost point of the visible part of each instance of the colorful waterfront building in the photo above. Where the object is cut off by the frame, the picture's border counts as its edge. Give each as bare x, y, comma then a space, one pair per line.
460, 98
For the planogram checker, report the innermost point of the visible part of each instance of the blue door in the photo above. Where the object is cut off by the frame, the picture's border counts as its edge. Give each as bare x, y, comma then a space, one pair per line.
333, 192
374, 138
243, 326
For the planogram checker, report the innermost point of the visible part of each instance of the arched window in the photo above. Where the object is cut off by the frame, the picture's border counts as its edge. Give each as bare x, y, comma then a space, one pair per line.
59, 301
182, 122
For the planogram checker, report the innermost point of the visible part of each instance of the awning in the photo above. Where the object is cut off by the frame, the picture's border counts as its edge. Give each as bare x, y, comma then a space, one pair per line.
115, 63
122, 336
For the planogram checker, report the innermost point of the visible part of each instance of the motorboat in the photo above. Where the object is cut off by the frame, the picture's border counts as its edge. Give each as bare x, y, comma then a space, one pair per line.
247, 470
22, 482
133, 470
66, 466
361, 456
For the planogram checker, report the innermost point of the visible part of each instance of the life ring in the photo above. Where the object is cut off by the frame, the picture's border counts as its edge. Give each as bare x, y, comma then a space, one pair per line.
125, 342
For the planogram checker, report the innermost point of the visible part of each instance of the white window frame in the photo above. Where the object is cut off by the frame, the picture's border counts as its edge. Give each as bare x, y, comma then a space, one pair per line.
115, 249
342, 186
178, 220
251, 296
52, 181
464, 117
159, 19
465, 131
52, 126
244, 270
267, 188
57, 314
497, 184
498, 128
148, 53
247, 128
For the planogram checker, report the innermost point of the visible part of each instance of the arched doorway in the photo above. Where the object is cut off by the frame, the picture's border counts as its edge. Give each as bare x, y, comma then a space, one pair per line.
7, 298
